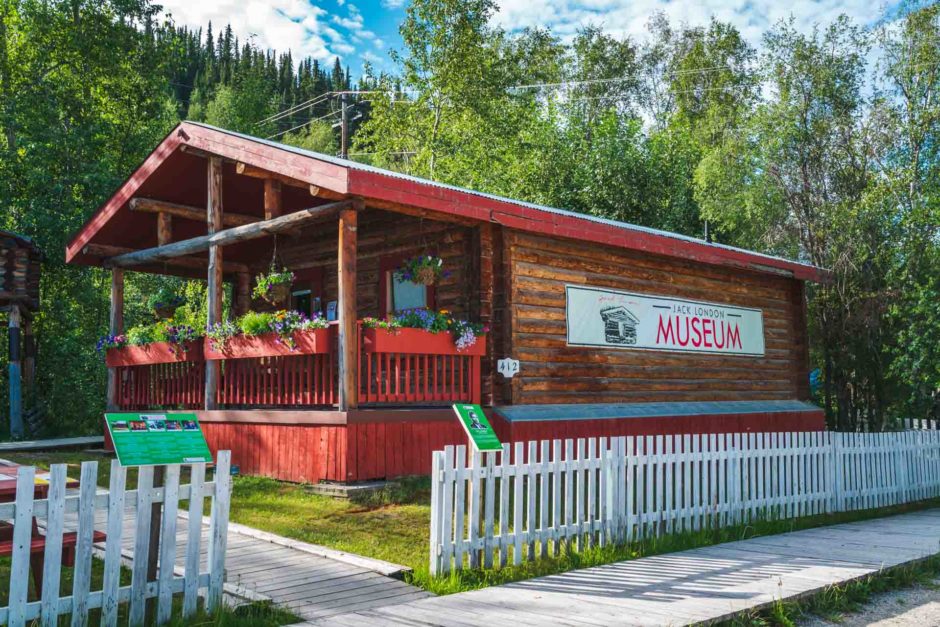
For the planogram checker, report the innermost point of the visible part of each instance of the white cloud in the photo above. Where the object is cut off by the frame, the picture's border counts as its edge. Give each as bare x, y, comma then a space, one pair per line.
630, 17
393, 4
297, 25
353, 23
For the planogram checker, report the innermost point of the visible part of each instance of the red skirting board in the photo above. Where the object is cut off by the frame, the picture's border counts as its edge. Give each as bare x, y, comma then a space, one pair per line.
351, 452
377, 449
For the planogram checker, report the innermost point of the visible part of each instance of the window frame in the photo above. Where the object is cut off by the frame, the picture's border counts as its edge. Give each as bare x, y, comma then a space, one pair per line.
387, 265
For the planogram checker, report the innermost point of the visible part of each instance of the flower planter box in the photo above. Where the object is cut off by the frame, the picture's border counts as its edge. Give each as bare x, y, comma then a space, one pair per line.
155, 353
270, 345
417, 342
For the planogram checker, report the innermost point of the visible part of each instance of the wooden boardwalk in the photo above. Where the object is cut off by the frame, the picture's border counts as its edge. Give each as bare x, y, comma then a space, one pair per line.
696, 586
311, 586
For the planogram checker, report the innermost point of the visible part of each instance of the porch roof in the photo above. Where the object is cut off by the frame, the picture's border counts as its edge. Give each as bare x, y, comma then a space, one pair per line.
171, 173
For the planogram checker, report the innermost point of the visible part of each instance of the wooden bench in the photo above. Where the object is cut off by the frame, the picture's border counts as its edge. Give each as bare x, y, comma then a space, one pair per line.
37, 549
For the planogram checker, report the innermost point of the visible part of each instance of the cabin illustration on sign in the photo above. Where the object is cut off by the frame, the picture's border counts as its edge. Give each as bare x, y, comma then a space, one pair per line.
619, 325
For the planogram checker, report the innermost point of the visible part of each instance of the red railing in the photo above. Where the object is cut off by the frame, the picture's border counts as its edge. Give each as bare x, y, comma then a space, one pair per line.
278, 381
178, 385
405, 367
413, 366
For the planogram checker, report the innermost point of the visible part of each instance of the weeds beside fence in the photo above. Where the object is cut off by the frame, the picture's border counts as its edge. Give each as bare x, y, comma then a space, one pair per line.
533, 498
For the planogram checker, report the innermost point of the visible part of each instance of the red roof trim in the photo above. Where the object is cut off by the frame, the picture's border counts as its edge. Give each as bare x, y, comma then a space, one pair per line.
123, 194
394, 189
286, 163
370, 184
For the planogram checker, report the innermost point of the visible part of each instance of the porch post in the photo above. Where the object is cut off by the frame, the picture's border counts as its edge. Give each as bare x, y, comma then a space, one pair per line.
16, 392
272, 198
214, 223
346, 310
115, 327
242, 293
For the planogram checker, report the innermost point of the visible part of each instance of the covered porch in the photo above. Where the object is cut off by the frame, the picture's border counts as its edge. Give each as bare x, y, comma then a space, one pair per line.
200, 207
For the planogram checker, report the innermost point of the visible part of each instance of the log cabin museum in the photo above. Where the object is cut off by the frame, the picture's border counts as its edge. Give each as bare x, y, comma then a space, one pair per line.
578, 326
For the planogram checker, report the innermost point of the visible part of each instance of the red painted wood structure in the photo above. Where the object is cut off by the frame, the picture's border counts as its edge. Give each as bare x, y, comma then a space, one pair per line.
352, 403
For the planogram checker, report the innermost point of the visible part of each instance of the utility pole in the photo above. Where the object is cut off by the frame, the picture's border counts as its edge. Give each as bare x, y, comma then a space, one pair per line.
344, 128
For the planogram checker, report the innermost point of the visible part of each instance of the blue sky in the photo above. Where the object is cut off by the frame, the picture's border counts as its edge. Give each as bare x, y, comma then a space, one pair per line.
364, 30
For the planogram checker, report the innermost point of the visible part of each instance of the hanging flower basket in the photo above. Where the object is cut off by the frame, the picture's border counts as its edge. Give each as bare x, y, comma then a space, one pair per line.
278, 294
423, 270
165, 312
165, 302
274, 286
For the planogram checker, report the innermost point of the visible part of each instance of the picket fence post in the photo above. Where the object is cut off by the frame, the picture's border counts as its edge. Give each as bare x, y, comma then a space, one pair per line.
437, 506
218, 532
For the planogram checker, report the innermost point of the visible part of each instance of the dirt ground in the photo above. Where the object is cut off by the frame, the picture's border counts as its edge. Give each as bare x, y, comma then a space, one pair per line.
912, 606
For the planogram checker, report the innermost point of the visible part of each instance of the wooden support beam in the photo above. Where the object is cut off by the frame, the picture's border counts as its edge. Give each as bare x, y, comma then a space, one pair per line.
187, 212
196, 263
260, 173
214, 289
15, 374
242, 294
164, 228
346, 306
272, 198
233, 235
115, 327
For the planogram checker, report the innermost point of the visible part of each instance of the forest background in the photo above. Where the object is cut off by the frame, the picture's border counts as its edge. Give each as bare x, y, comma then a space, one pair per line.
820, 146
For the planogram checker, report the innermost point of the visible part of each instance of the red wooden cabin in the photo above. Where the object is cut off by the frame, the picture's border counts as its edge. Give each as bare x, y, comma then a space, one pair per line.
353, 404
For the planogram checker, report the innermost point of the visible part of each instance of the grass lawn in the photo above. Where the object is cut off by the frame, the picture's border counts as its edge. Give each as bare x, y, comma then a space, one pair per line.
393, 525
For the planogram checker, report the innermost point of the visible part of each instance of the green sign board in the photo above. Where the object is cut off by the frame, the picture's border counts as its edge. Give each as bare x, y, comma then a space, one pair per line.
478, 428
155, 438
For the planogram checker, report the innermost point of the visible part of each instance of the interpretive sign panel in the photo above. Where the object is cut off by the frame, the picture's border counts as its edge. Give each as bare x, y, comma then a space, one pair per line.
154, 438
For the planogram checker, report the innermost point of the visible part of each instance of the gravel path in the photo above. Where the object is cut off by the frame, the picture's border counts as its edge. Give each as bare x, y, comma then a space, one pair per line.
919, 605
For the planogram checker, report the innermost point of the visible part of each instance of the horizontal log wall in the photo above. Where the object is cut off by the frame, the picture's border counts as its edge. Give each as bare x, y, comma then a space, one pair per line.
552, 372
383, 233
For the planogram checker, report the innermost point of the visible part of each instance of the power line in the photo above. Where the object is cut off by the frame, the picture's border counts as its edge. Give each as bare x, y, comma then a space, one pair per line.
299, 126
293, 109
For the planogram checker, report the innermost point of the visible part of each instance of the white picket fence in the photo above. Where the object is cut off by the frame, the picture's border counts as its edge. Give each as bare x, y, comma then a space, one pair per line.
921, 424
28, 514
533, 498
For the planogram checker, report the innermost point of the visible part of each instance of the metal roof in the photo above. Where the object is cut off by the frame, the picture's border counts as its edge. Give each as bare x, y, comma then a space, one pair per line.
355, 165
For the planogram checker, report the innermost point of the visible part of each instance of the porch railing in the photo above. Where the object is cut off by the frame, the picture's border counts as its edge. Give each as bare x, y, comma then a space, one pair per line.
275, 381
401, 378
171, 385
387, 376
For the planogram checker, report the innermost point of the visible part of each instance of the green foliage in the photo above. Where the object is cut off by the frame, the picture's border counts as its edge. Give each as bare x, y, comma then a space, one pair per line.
255, 323
146, 334
318, 137
264, 282
165, 297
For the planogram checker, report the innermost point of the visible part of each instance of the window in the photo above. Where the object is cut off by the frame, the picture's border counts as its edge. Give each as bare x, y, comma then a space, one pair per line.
397, 295
407, 295
306, 297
